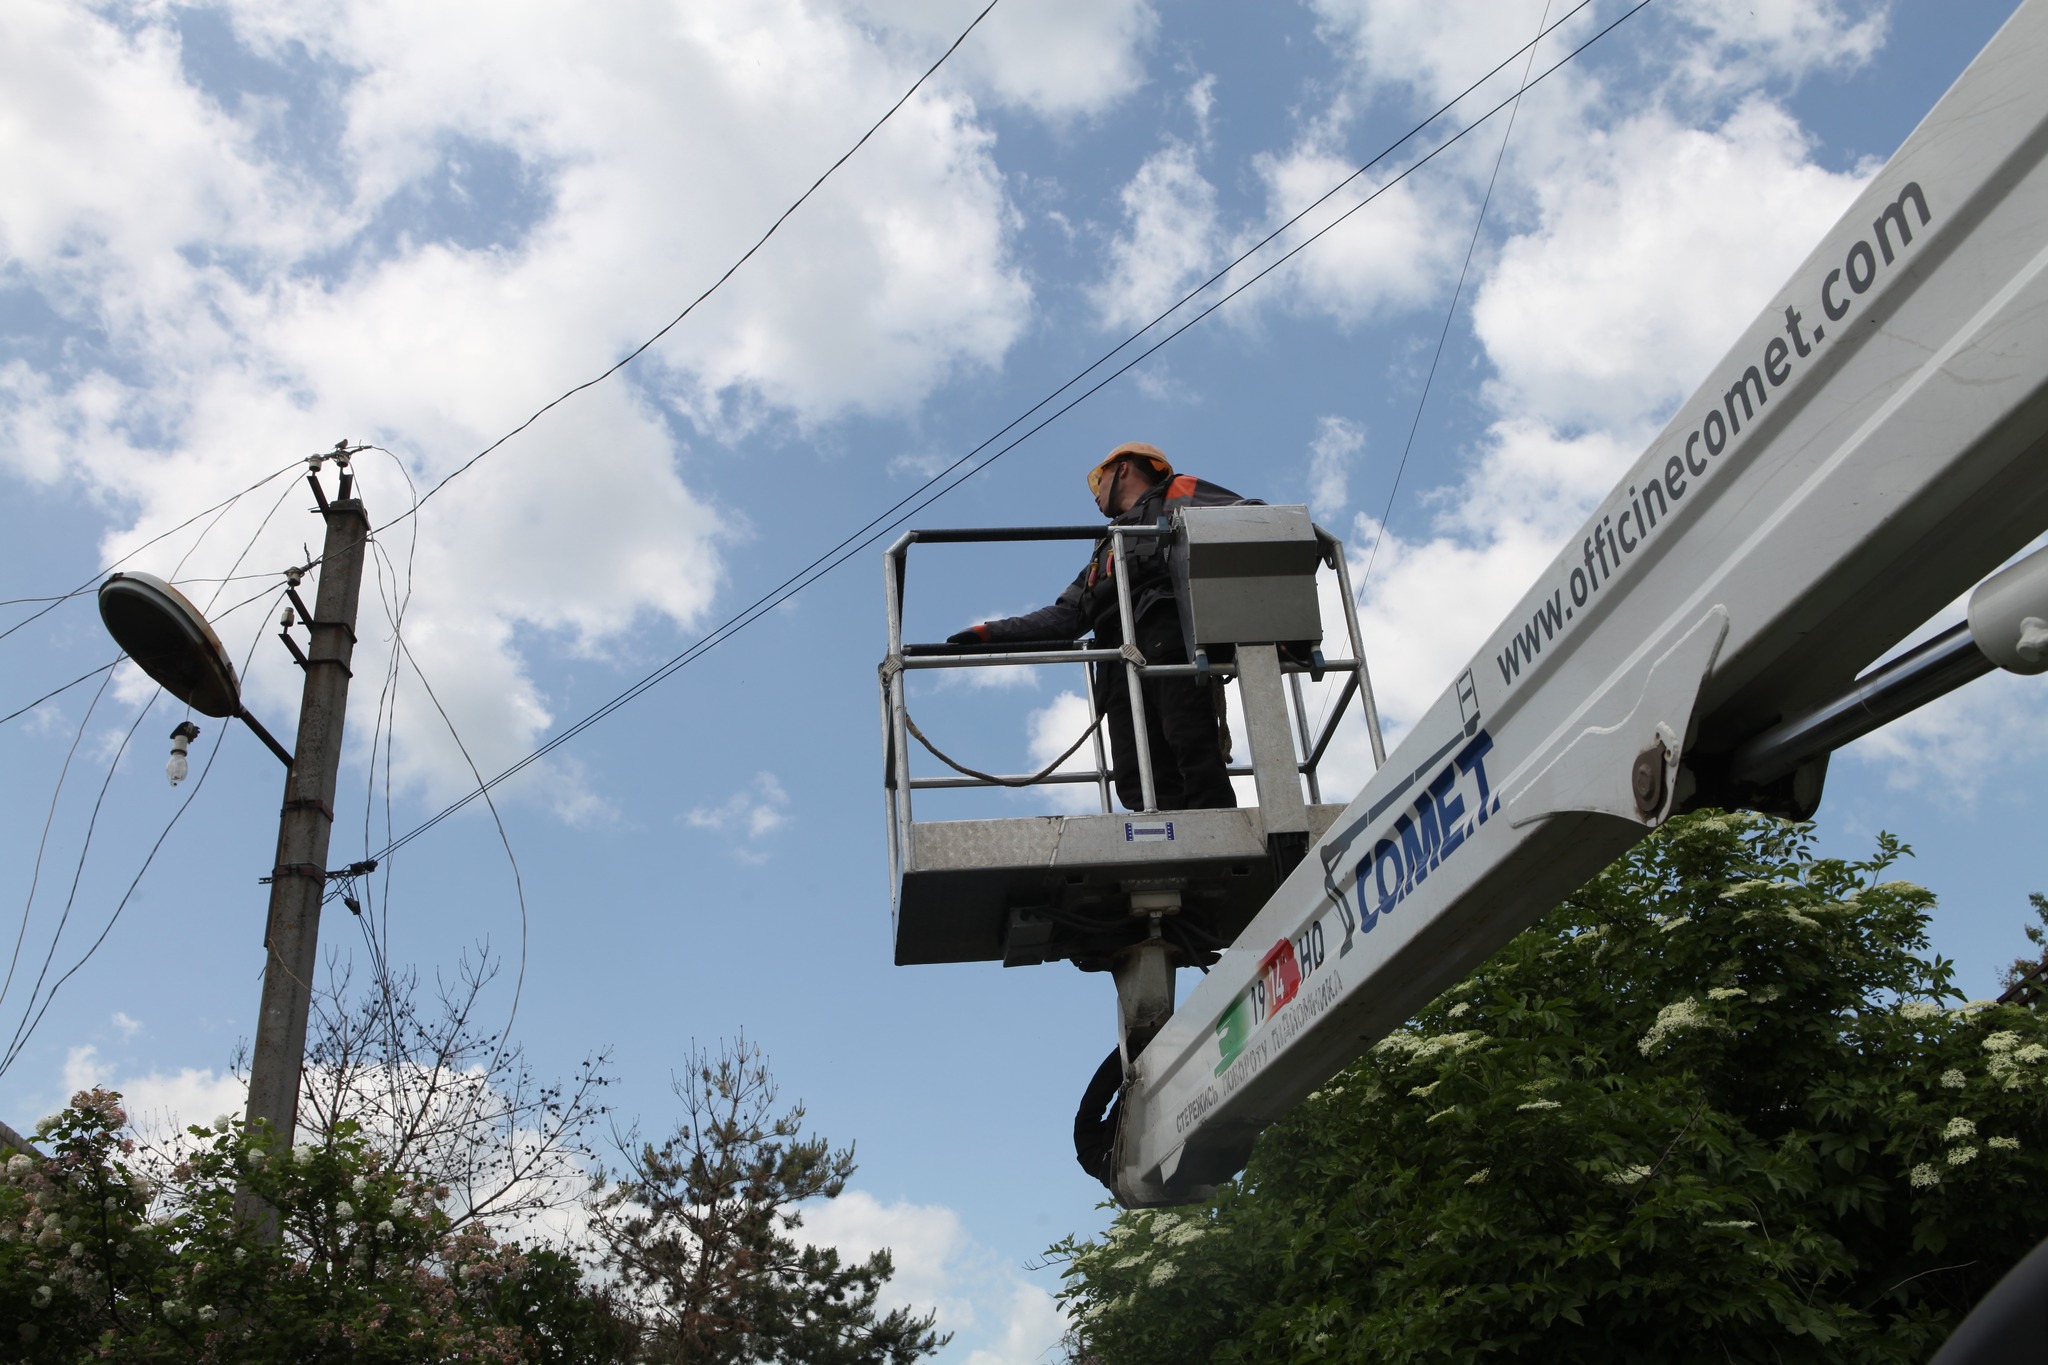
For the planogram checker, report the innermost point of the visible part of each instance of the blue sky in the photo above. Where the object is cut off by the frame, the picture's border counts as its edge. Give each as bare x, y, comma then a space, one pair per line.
235, 233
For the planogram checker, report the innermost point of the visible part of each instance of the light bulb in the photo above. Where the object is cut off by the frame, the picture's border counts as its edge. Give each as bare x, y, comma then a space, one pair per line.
181, 740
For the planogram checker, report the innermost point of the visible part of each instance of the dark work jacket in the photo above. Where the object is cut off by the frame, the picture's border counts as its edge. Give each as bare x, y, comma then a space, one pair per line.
1089, 602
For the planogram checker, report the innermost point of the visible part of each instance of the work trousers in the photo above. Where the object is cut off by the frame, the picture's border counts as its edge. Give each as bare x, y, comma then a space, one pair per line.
1188, 771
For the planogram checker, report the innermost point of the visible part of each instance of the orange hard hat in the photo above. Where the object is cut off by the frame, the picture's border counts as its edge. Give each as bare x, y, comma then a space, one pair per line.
1129, 450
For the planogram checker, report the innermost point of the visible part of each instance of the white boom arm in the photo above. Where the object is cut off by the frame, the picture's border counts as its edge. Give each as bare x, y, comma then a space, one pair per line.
1871, 446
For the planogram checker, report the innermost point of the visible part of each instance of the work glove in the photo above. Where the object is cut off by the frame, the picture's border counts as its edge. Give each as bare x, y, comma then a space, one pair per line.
973, 635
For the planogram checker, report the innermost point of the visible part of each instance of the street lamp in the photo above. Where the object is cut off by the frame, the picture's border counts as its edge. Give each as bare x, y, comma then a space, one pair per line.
170, 640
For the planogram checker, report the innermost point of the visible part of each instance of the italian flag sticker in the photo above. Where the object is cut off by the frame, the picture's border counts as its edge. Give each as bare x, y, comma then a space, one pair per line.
1279, 978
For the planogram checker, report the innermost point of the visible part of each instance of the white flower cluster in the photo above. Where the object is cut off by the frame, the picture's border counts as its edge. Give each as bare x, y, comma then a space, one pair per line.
1961, 1156
1416, 1048
1627, 1175
1726, 993
2004, 1144
1462, 1007
1924, 1176
2010, 1060
1538, 1104
1666, 923
1441, 1114
1739, 1224
1916, 1010
1479, 1176
1959, 1128
1676, 1017
1953, 1079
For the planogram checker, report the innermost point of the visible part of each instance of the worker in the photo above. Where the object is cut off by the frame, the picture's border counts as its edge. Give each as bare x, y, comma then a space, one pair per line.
1136, 486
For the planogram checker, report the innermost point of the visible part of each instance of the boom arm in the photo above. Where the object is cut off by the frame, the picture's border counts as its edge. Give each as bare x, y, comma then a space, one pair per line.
1875, 442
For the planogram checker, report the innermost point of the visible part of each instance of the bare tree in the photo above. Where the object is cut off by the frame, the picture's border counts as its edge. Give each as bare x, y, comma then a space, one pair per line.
699, 1229
446, 1101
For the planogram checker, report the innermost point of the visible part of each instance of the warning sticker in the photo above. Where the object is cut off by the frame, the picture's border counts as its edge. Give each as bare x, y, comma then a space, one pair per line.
1156, 832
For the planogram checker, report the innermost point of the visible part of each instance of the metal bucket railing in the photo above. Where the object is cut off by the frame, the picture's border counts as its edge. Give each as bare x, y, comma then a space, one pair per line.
899, 784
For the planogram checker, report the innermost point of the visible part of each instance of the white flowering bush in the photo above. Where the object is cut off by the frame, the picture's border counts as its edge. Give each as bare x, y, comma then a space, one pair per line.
1721, 1104
100, 1259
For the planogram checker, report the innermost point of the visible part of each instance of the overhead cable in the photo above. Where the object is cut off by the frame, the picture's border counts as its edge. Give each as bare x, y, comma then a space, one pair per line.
1451, 312
937, 486
93, 583
730, 271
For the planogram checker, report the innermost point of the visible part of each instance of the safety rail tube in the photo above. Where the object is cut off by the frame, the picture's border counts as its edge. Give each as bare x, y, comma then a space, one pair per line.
1315, 787
1372, 709
1095, 738
1011, 779
1135, 693
1315, 755
1024, 658
897, 719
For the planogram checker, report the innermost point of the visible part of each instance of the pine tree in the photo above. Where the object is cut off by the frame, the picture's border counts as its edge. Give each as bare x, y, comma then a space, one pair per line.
700, 1231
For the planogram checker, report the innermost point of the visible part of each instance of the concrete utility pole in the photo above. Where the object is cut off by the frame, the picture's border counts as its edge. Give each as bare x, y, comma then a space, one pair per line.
299, 882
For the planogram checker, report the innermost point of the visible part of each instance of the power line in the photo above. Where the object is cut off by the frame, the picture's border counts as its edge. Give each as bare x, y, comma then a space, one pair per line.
93, 583
730, 271
933, 489
1442, 336
59, 691
1452, 311
634, 354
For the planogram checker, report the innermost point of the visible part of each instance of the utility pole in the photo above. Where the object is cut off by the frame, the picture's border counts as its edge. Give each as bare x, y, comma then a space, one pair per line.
299, 881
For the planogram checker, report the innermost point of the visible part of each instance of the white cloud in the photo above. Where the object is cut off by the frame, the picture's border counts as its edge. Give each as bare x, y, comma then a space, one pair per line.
1651, 253
1169, 241
940, 1266
1033, 1323
1330, 455
753, 813
1058, 59
1390, 255
127, 1027
1741, 45
1052, 728
244, 288
1201, 102
159, 1104
1635, 249
1435, 48
1438, 47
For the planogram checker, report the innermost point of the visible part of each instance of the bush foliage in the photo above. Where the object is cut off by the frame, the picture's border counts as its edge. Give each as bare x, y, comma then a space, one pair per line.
1719, 1106
235, 1247
101, 1260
